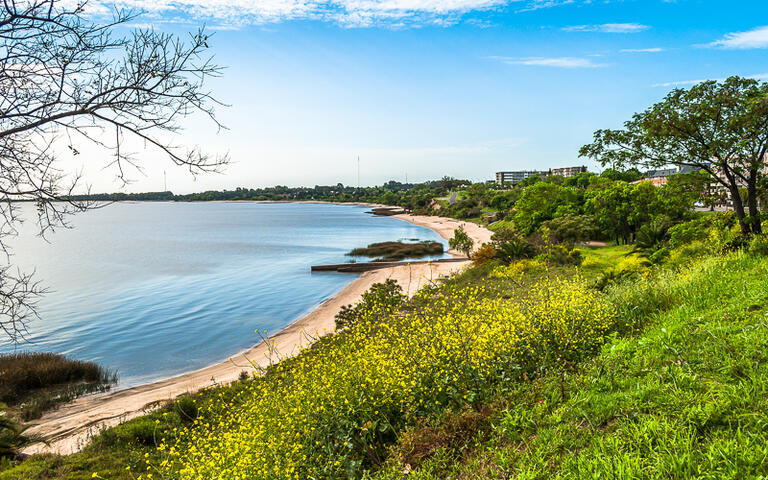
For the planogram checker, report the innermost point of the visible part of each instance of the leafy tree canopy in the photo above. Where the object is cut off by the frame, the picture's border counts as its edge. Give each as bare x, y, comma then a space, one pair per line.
718, 127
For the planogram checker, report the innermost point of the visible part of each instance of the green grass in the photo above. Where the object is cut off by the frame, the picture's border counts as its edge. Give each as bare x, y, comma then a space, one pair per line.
683, 398
603, 258
501, 224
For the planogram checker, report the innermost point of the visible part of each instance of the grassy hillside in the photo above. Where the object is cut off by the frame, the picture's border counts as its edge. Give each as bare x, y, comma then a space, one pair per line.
683, 398
519, 371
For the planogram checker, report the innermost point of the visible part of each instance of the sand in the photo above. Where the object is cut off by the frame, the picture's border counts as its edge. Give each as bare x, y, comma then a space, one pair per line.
68, 428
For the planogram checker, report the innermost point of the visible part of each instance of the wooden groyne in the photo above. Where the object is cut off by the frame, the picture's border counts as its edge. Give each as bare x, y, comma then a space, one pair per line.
366, 266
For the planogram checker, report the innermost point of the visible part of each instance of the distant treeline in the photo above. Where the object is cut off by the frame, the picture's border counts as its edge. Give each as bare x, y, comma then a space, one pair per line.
412, 196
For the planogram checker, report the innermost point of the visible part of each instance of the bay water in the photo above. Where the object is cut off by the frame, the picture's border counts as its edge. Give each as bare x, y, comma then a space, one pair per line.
155, 289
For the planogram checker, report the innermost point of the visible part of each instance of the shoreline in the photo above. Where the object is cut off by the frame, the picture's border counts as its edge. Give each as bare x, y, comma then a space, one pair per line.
69, 427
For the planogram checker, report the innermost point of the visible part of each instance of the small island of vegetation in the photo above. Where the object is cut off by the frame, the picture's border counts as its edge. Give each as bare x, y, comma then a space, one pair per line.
393, 251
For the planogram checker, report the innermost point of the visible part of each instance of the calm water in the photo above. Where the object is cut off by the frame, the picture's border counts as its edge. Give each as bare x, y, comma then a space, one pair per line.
157, 289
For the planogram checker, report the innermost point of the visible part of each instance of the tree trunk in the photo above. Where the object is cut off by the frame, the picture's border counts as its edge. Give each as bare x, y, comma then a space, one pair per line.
738, 207
754, 213
738, 204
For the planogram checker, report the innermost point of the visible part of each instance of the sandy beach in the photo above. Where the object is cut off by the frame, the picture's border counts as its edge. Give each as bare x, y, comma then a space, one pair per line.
69, 428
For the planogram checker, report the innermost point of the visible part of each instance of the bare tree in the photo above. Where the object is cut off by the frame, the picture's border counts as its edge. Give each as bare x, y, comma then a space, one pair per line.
67, 79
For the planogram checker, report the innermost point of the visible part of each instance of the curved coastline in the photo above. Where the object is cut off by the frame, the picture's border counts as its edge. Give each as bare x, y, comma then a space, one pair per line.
69, 428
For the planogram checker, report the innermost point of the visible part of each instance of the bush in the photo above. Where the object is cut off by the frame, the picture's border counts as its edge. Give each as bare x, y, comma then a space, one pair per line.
142, 432
461, 241
629, 268
511, 245
570, 229
651, 237
686, 233
759, 245
12, 438
484, 254
380, 300
187, 408
561, 255
682, 256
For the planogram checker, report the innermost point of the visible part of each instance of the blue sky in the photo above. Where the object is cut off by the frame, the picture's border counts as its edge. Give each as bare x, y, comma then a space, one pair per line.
430, 88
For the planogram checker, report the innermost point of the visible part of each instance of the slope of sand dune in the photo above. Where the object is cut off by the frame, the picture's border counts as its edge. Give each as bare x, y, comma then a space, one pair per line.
69, 427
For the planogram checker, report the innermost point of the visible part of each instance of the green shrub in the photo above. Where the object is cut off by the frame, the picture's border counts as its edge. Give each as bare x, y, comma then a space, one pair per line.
659, 255
511, 245
759, 245
142, 432
630, 268
570, 229
380, 300
561, 255
12, 438
461, 241
687, 232
686, 254
187, 409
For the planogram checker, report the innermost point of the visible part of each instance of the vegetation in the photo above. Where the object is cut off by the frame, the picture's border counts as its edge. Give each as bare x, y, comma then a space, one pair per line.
12, 438
716, 127
31, 383
680, 399
391, 251
461, 241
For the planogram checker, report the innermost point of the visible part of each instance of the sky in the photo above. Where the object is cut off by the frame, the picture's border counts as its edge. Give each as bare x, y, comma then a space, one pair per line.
419, 89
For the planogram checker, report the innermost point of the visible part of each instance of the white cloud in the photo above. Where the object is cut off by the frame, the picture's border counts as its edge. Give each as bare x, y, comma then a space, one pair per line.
354, 13
682, 83
642, 50
539, 4
609, 28
557, 62
755, 38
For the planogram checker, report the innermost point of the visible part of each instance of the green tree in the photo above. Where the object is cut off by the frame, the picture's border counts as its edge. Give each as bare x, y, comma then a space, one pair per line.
544, 201
629, 175
570, 229
461, 241
611, 206
718, 127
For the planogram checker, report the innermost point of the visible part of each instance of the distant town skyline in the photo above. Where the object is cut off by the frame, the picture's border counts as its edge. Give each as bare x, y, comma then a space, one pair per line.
427, 88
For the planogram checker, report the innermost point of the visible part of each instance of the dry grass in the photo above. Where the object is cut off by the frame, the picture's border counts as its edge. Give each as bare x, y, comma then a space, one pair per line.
35, 382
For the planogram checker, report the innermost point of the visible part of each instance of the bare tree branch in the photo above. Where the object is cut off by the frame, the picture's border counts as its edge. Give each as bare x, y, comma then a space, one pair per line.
66, 79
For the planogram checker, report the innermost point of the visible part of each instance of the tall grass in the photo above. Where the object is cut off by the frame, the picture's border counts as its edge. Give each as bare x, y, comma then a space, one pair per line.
38, 381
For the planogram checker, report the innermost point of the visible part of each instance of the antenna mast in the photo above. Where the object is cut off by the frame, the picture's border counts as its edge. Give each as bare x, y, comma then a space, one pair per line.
358, 172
